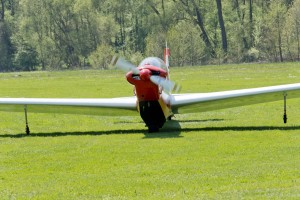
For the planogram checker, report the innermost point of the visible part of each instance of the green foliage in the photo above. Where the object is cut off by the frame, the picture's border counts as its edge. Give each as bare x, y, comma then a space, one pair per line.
25, 58
186, 45
275, 26
136, 58
155, 44
5, 48
253, 55
292, 30
64, 33
101, 58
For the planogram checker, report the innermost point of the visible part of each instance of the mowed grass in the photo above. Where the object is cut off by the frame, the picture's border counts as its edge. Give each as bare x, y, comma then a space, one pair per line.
240, 153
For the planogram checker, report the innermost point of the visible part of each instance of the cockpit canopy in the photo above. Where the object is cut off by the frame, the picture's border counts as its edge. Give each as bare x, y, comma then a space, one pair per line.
154, 61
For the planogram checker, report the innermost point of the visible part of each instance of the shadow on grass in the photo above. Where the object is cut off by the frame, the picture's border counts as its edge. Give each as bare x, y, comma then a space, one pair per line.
172, 129
244, 128
200, 120
62, 134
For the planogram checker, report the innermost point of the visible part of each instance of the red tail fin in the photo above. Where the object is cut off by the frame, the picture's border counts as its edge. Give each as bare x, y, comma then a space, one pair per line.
166, 59
166, 55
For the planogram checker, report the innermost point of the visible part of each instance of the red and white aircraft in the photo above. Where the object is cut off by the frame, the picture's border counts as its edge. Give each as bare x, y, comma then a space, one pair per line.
153, 98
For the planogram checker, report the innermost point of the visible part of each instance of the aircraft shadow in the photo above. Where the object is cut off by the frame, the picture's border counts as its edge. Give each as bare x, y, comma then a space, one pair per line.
199, 120
171, 130
243, 128
62, 134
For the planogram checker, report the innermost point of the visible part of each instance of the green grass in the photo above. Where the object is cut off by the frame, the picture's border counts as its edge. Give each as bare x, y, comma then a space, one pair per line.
240, 153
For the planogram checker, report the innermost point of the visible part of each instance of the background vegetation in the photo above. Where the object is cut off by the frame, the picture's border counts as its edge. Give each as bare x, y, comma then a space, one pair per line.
66, 34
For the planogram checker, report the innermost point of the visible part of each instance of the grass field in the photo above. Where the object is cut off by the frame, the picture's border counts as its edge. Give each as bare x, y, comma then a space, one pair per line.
240, 153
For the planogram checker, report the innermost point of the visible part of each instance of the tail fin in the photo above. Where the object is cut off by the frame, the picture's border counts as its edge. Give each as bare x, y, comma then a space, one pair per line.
166, 58
166, 55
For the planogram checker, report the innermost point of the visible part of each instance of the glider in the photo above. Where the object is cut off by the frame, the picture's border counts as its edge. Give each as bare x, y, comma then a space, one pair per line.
153, 98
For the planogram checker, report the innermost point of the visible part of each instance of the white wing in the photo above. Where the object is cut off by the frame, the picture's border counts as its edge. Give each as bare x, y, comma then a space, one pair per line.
200, 102
181, 103
104, 106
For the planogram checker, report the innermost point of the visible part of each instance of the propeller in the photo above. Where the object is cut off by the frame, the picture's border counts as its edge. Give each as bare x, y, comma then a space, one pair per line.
124, 65
167, 85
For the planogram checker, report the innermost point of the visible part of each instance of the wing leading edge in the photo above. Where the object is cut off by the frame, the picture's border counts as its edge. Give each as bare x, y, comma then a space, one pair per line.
126, 106
123, 106
200, 102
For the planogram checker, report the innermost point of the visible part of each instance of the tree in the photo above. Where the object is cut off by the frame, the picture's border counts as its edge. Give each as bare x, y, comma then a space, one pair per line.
64, 33
293, 28
100, 59
222, 26
161, 15
241, 13
186, 45
56, 34
2, 11
26, 58
6, 48
194, 11
276, 24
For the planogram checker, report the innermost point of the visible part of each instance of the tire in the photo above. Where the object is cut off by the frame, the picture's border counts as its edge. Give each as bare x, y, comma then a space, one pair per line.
153, 129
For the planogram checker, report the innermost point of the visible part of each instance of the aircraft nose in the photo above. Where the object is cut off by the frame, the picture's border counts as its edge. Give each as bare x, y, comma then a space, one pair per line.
145, 74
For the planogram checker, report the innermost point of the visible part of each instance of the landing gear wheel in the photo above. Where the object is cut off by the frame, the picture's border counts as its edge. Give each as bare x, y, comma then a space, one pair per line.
284, 109
285, 118
153, 129
27, 130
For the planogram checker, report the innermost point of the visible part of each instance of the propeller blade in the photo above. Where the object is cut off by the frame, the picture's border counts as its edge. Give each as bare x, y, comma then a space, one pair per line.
124, 65
167, 85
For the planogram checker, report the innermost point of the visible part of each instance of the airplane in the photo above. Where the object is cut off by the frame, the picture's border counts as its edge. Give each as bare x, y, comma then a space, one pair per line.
153, 97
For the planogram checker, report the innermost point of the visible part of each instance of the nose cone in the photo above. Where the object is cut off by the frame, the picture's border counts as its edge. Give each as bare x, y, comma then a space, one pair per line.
145, 74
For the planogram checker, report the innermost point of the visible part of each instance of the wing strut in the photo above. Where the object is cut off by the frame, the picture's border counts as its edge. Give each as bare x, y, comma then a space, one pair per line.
26, 121
284, 108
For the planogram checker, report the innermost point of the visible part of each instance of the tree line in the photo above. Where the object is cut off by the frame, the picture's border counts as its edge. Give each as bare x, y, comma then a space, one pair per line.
68, 34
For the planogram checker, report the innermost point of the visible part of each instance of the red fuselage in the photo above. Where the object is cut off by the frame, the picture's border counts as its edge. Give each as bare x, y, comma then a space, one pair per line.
148, 95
